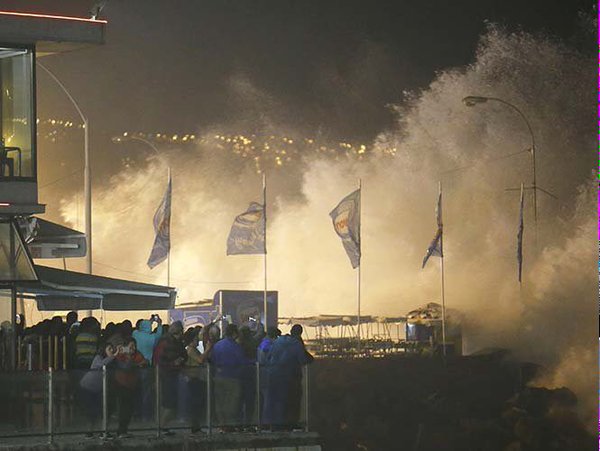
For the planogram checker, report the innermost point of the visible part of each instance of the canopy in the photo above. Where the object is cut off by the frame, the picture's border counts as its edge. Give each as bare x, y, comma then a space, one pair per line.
68, 290
50, 240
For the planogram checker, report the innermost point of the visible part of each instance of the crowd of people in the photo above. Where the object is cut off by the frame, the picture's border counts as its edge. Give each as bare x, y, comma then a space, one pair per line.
131, 355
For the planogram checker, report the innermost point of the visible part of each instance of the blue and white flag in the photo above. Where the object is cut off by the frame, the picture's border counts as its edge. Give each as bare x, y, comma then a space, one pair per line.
435, 247
162, 224
346, 222
247, 235
520, 237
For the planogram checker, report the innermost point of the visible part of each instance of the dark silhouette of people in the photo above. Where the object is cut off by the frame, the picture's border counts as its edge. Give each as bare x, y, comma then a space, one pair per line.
228, 358
286, 358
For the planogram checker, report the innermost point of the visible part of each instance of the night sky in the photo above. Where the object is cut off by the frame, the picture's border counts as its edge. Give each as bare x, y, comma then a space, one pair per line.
327, 67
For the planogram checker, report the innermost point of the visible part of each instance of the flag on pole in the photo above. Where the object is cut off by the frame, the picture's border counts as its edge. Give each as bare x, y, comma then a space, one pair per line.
346, 222
247, 235
520, 236
435, 247
162, 224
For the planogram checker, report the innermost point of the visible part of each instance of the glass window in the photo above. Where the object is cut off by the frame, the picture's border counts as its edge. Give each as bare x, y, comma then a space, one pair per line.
15, 263
17, 158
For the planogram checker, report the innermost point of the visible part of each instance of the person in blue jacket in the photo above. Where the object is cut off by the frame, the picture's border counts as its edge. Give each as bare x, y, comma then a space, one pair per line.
146, 342
146, 339
228, 358
285, 360
262, 354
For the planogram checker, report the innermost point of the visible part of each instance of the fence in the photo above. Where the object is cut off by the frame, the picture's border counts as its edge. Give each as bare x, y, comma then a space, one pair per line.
235, 398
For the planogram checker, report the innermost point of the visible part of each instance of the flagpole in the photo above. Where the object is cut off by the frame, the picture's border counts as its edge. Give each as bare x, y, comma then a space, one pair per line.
169, 252
359, 265
442, 274
264, 180
520, 238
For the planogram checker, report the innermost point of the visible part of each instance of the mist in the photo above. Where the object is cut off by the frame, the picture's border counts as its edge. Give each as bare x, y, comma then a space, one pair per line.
549, 319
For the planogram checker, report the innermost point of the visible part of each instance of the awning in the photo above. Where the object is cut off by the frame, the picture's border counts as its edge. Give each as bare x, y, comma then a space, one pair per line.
51, 240
68, 290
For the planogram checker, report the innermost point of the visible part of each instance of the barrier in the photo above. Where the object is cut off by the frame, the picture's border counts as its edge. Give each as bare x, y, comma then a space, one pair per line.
110, 400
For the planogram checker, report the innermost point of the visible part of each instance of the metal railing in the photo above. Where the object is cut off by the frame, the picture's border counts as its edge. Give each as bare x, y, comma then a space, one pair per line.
110, 400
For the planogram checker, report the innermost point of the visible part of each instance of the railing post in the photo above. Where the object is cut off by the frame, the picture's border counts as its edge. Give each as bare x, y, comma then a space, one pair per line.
29, 357
157, 399
258, 419
41, 355
50, 407
64, 352
105, 401
208, 400
56, 365
50, 365
19, 356
306, 386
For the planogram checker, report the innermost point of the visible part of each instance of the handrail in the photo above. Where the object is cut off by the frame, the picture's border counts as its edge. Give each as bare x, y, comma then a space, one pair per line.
61, 395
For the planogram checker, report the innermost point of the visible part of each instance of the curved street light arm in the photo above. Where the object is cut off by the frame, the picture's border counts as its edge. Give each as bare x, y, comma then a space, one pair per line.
145, 141
472, 100
59, 83
522, 116
87, 172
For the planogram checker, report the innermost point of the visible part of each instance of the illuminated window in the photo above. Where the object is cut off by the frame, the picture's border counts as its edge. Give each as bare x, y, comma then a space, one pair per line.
17, 157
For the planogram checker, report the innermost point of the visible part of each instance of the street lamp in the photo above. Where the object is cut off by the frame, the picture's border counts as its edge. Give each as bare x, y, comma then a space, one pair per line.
87, 177
119, 139
476, 100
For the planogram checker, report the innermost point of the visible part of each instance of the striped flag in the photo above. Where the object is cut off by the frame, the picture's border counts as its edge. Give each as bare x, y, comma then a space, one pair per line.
162, 224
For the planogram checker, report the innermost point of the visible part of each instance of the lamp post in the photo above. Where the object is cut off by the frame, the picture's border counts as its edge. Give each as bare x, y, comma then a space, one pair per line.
476, 100
87, 176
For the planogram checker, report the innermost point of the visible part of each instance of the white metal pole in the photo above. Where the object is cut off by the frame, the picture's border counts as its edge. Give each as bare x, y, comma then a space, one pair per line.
104, 402
87, 176
258, 402
50, 406
443, 300
208, 399
87, 192
359, 265
221, 311
169, 268
170, 208
521, 244
306, 388
264, 180
442, 274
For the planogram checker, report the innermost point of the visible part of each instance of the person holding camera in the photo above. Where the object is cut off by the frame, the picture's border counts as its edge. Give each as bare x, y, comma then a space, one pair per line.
90, 385
145, 338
